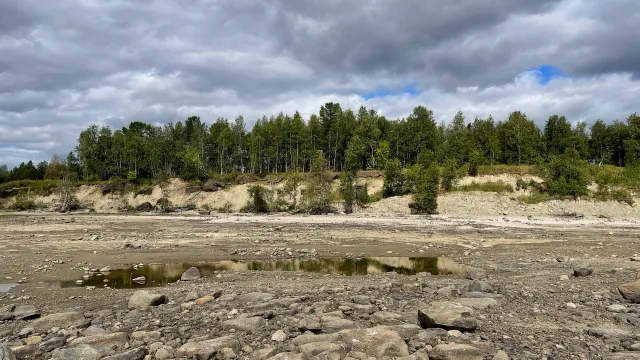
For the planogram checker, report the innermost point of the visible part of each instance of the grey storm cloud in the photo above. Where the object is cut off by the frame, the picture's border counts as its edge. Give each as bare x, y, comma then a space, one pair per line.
67, 64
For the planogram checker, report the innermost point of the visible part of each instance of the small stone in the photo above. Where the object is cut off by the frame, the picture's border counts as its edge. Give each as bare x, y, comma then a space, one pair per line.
617, 308
583, 270
191, 296
564, 277
571, 306
447, 315
279, 336
143, 299
455, 352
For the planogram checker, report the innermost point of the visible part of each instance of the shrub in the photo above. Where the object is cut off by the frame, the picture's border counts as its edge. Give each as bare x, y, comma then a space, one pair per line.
622, 196
449, 174
534, 198
227, 207
567, 176
259, 198
394, 179
143, 190
506, 169
425, 200
491, 186
317, 194
474, 163
362, 194
163, 204
23, 202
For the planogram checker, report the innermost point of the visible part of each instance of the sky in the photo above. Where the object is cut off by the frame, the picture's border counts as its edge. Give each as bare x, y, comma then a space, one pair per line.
67, 64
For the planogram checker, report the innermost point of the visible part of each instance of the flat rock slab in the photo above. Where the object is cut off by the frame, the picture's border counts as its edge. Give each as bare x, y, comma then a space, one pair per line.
135, 354
60, 320
207, 348
478, 303
447, 315
84, 352
608, 333
375, 342
6, 353
624, 355
288, 356
248, 325
117, 339
19, 312
455, 352
143, 299
191, 274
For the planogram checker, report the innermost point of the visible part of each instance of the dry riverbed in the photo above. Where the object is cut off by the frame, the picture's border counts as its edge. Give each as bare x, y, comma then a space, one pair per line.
511, 289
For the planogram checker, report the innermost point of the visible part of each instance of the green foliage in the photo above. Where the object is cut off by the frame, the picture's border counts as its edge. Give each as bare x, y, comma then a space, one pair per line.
491, 186
227, 207
506, 169
23, 202
394, 179
37, 187
376, 196
143, 190
163, 204
567, 176
259, 199
449, 174
474, 162
317, 193
425, 200
622, 196
535, 198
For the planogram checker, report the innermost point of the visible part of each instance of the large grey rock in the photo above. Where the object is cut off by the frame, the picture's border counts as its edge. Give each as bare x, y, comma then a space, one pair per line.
143, 299
279, 336
20, 312
608, 333
81, 352
191, 274
583, 270
387, 318
479, 286
52, 344
26, 351
313, 349
309, 338
206, 348
334, 325
447, 315
112, 339
455, 352
501, 355
624, 355
93, 330
6, 353
60, 320
375, 342
146, 336
288, 356
245, 324
406, 331
134, 354
309, 324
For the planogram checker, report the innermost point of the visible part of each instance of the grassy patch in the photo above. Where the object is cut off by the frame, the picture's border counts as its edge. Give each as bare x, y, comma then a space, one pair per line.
23, 202
37, 187
143, 190
507, 169
535, 198
376, 196
492, 186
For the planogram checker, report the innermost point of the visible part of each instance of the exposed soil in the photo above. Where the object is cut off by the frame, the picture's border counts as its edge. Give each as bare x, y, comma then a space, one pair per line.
518, 254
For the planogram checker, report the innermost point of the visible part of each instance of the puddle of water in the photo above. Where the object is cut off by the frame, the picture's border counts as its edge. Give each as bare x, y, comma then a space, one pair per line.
6, 287
163, 274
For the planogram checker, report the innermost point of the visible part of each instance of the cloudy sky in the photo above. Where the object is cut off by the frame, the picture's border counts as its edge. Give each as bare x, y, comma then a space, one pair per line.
66, 64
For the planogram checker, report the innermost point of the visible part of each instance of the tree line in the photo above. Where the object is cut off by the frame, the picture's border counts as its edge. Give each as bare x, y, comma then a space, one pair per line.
350, 141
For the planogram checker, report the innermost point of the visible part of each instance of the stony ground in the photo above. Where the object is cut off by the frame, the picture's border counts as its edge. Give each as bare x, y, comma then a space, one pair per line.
526, 303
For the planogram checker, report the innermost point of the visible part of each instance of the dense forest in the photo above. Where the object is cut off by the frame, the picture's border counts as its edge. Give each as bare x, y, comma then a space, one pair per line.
193, 149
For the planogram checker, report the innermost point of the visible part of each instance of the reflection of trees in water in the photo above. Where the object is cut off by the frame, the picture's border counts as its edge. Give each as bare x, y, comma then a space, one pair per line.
162, 274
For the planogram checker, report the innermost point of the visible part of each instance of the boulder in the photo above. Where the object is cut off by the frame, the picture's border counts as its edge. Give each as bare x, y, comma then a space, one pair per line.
19, 312
191, 274
51, 344
288, 356
84, 352
207, 348
447, 315
455, 352
248, 325
6, 353
60, 320
134, 354
387, 318
313, 349
335, 325
309, 324
309, 338
117, 339
143, 299
629, 289
279, 336
146, 337
501, 355
144, 207
375, 342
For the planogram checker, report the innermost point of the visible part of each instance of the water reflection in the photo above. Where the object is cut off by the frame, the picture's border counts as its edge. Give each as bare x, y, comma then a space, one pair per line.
163, 274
